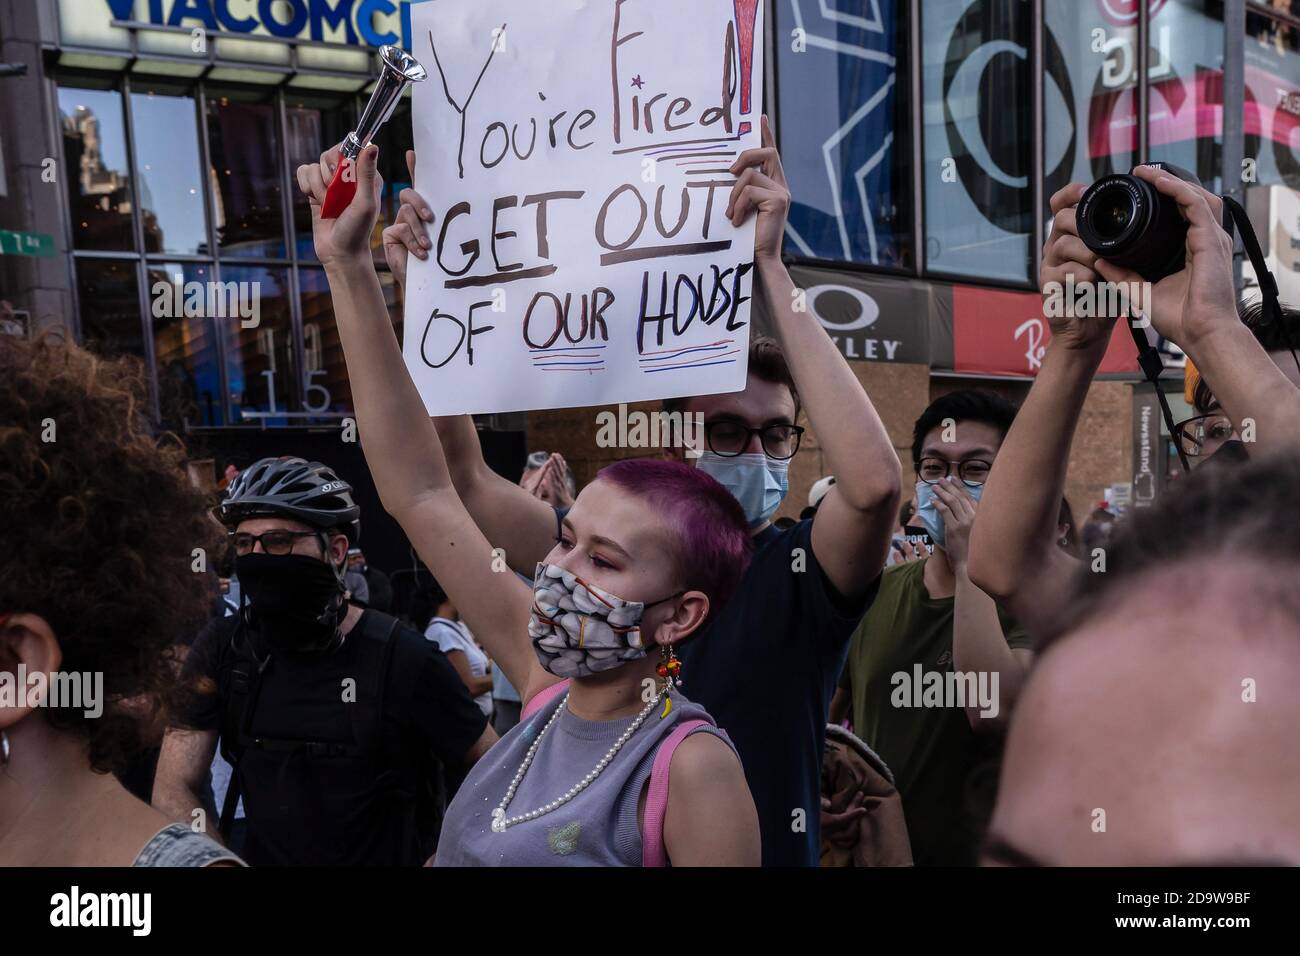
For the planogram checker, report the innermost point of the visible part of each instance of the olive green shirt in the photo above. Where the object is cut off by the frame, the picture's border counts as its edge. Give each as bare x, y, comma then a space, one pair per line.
945, 772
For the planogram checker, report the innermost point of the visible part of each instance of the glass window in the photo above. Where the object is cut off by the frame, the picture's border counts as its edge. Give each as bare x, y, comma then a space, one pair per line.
244, 140
844, 133
109, 296
1273, 101
184, 345
96, 169
394, 140
978, 137
312, 125
169, 171
260, 370
1090, 125
325, 376
1185, 121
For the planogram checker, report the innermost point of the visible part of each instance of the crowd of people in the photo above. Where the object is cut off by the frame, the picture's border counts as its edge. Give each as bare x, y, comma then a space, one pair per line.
649, 670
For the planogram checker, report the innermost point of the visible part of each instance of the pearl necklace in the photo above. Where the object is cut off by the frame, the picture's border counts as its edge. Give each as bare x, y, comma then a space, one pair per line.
499, 819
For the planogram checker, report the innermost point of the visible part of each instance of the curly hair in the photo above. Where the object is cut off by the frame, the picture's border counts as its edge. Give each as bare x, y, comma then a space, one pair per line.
100, 522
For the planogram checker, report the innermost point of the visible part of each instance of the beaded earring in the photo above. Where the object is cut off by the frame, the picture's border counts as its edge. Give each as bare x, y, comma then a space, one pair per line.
669, 671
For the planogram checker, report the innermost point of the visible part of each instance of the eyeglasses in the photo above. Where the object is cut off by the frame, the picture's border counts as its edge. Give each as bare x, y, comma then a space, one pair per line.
729, 438
273, 542
973, 472
1192, 433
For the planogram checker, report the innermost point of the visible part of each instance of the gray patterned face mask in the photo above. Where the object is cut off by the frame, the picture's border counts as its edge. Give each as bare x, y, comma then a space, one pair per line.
579, 629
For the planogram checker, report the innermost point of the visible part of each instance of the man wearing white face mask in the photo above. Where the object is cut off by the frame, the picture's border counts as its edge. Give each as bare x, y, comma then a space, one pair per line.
931, 625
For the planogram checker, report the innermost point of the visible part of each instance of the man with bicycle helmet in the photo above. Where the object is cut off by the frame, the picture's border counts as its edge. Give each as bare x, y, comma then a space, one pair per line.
333, 716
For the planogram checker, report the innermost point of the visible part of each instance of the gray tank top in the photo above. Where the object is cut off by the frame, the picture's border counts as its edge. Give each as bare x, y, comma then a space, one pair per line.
178, 845
598, 827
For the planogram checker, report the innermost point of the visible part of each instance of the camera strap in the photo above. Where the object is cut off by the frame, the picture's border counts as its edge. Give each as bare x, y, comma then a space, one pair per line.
1149, 360
1234, 213
1152, 365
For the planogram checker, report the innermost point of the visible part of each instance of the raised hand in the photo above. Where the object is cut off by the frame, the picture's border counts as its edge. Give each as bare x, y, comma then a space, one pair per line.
348, 236
1201, 297
409, 234
1065, 256
761, 186
956, 506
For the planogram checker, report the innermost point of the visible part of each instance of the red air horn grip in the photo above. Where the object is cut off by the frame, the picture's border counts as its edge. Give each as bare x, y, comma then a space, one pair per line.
340, 192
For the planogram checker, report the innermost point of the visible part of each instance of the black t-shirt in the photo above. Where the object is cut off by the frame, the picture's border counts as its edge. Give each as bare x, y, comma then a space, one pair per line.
315, 810
765, 668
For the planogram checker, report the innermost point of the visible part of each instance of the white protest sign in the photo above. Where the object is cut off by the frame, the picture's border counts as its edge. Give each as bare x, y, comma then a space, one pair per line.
575, 156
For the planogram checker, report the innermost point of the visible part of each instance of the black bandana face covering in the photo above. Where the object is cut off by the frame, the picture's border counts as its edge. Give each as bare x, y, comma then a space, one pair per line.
295, 602
1231, 452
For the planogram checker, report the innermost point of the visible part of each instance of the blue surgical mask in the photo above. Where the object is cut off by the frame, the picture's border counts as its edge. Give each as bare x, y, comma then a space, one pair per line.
759, 483
929, 515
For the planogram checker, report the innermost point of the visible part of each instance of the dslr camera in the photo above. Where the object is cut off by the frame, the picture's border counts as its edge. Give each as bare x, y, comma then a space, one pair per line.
1129, 222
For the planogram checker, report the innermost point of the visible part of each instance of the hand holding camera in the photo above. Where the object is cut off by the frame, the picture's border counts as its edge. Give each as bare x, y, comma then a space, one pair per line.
1066, 259
1159, 226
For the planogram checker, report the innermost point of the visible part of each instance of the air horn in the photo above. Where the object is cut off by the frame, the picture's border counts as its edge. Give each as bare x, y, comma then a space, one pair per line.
399, 68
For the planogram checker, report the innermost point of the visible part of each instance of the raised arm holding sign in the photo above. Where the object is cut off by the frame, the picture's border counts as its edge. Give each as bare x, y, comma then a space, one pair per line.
628, 534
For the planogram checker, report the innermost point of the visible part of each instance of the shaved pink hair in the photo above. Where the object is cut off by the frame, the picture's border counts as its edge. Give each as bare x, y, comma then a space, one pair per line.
711, 531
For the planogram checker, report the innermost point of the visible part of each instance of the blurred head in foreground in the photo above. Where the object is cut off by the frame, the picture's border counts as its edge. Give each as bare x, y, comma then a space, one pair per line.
1158, 726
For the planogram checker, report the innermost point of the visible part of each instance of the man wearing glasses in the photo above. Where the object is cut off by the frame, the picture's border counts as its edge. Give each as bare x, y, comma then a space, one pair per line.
766, 665
330, 714
930, 619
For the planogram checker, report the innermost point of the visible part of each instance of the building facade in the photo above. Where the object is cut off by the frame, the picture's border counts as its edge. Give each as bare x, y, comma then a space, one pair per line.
147, 156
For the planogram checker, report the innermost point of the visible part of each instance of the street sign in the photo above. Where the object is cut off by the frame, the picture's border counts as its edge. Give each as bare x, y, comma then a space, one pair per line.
25, 243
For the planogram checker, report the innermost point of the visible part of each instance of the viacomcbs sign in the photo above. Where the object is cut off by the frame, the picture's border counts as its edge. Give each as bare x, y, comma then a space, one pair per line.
354, 22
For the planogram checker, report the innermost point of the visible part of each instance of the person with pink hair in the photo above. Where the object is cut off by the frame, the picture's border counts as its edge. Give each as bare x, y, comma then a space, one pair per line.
647, 552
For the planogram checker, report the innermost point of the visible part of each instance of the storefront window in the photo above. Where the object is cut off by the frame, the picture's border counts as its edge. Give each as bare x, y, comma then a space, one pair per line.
394, 140
325, 375
312, 125
109, 294
1272, 102
185, 348
1090, 84
169, 171
1185, 121
844, 131
97, 171
260, 368
1272, 148
978, 137
243, 135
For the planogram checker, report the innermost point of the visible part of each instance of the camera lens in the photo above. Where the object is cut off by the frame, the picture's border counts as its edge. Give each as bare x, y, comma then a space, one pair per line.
1112, 214
1126, 220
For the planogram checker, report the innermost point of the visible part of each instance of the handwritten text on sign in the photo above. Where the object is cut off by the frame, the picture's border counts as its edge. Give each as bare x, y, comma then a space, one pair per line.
575, 155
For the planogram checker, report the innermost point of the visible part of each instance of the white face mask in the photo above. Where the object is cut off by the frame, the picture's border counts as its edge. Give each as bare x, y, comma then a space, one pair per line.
579, 629
759, 483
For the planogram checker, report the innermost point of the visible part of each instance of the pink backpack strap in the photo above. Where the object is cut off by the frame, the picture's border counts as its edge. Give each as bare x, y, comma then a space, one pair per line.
542, 698
656, 801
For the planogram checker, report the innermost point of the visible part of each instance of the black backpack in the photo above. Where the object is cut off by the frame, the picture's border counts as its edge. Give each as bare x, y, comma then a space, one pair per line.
414, 772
